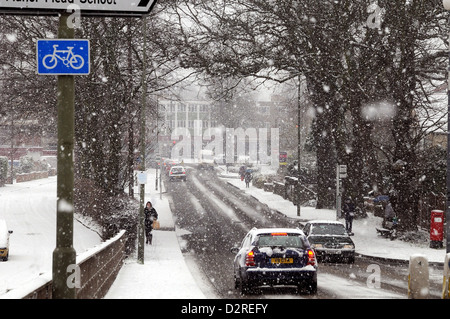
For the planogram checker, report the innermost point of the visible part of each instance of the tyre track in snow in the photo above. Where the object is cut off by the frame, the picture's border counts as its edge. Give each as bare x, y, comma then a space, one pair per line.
249, 210
220, 226
206, 235
210, 230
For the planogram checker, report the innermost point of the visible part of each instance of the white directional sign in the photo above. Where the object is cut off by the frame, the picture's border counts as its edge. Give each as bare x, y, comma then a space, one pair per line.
87, 7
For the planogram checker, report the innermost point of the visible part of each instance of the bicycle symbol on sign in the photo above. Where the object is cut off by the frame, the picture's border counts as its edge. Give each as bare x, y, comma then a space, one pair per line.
50, 61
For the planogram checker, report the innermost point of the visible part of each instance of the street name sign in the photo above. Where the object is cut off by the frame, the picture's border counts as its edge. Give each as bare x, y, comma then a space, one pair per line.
87, 7
63, 57
342, 171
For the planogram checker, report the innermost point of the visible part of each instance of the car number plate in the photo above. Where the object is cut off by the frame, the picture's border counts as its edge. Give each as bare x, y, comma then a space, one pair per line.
282, 260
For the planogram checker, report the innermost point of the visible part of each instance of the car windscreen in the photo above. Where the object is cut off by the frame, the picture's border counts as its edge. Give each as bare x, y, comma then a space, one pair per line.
280, 240
177, 170
328, 229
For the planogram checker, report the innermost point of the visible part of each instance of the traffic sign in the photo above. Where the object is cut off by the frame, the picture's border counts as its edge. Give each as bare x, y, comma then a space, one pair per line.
87, 7
63, 57
342, 171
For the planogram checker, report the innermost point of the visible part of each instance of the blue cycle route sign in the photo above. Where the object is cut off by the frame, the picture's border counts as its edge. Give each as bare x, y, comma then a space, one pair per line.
63, 57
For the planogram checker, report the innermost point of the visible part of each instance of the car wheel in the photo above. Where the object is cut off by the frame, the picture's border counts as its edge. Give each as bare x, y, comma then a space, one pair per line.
310, 287
244, 288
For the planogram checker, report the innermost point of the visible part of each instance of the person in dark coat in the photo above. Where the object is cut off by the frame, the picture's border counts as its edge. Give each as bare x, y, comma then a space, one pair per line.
150, 216
349, 214
248, 178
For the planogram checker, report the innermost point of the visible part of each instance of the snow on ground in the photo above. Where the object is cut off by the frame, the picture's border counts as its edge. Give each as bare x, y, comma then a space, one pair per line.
164, 274
29, 209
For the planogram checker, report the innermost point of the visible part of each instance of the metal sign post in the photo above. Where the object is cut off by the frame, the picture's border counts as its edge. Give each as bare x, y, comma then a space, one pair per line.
341, 172
64, 256
141, 227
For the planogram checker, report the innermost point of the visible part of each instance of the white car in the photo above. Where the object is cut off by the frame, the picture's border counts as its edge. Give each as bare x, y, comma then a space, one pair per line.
177, 173
4, 240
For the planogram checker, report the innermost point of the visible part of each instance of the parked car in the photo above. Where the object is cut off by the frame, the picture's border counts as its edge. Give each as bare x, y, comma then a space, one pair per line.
4, 240
272, 257
330, 240
177, 173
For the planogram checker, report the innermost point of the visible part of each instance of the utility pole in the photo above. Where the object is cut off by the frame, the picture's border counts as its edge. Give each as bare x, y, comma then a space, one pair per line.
64, 254
446, 4
299, 146
130, 121
141, 233
447, 209
12, 148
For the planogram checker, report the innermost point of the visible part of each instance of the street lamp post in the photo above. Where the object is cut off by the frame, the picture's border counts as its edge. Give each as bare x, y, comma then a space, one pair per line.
299, 145
141, 226
447, 210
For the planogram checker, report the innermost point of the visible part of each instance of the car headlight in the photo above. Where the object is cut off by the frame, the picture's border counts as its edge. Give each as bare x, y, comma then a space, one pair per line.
349, 246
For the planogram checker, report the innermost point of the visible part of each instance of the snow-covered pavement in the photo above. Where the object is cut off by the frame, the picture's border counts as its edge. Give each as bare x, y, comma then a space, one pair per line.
164, 274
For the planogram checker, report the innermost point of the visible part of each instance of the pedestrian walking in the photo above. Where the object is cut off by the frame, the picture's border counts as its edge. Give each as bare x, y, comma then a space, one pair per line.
349, 214
248, 178
150, 216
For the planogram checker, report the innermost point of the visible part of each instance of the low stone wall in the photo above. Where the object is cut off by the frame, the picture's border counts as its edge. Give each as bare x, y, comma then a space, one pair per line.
98, 268
26, 177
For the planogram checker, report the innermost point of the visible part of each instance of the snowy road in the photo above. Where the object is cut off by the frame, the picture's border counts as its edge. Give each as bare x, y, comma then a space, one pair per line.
211, 217
30, 211
214, 216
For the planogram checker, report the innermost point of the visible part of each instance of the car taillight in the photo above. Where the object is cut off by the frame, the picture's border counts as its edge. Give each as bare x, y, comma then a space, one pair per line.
250, 259
311, 257
279, 234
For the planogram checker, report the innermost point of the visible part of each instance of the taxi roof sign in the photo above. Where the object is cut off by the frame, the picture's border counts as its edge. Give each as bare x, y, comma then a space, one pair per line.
101, 8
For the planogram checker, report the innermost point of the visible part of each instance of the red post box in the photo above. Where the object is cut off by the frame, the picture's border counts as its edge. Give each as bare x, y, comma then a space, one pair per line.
437, 229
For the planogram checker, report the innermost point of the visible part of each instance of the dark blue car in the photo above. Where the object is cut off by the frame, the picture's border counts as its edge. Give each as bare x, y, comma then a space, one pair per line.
275, 256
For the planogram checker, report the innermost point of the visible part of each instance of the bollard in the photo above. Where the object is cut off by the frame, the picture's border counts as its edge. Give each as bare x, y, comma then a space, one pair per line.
445, 289
418, 278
